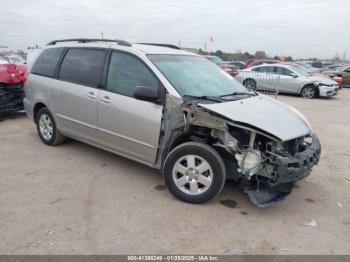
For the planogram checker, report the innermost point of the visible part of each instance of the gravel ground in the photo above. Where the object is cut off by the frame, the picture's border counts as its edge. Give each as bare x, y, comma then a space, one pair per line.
76, 199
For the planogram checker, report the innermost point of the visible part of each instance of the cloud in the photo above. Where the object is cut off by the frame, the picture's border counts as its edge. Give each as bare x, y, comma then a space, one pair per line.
301, 28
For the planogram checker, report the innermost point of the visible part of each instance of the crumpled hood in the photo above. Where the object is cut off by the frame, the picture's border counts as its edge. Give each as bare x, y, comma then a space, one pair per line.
265, 113
323, 79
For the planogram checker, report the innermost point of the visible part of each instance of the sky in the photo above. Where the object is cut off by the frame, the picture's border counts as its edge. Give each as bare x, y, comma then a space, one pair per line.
300, 28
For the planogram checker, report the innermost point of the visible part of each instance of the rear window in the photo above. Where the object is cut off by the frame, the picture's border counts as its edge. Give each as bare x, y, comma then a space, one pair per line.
3, 60
47, 61
82, 66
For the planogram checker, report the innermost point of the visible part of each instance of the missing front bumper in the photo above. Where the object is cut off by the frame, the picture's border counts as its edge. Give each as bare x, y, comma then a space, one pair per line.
286, 171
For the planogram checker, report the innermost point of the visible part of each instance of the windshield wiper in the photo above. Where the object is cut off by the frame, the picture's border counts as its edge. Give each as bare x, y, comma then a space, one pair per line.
236, 94
211, 98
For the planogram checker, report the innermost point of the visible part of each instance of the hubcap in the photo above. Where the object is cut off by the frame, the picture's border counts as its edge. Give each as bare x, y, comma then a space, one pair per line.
308, 92
45, 126
192, 174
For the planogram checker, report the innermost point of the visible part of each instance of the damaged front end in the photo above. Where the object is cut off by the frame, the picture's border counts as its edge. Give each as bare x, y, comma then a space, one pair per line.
266, 166
269, 169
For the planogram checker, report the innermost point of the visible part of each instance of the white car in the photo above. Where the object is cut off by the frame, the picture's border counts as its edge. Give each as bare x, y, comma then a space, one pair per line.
288, 79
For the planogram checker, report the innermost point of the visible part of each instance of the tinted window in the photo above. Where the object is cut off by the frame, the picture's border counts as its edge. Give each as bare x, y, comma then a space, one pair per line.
47, 61
267, 69
283, 71
126, 72
82, 66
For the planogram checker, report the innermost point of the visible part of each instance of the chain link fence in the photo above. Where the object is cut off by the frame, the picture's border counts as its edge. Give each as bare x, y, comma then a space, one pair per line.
266, 83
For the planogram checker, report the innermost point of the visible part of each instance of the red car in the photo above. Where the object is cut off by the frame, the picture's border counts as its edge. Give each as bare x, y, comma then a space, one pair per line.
12, 77
255, 62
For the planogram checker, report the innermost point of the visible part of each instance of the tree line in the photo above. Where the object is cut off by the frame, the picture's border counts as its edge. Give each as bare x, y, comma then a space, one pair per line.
240, 56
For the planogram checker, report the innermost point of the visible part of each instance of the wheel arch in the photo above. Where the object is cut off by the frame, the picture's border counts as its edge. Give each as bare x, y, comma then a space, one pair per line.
36, 108
310, 84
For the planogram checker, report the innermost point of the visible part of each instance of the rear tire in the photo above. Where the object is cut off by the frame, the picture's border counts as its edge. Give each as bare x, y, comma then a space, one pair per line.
250, 84
194, 172
47, 129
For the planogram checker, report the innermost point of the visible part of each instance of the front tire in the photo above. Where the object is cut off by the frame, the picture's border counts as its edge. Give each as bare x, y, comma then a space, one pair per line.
308, 92
194, 172
46, 127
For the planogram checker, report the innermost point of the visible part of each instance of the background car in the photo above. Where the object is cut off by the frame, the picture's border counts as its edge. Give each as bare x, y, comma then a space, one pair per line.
15, 59
256, 62
239, 64
230, 69
289, 79
343, 72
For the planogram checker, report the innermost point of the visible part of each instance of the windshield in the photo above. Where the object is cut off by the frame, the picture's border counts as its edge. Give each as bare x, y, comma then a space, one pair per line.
3, 60
196, 76
301, 70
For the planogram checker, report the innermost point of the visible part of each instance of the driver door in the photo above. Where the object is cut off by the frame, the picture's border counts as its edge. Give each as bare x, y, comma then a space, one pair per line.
126, 125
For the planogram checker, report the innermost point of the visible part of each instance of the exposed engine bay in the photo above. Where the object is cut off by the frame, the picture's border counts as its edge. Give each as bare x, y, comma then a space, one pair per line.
263, 164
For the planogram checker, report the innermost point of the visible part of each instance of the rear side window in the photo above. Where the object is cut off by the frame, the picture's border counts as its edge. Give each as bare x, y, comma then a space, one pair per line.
47, 61
283, 71
82, 66
267, 69
126, 72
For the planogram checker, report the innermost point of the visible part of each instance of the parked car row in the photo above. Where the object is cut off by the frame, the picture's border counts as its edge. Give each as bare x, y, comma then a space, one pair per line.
288, 77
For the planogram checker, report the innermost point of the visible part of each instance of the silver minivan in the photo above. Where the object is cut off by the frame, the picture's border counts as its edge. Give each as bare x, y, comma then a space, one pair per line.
171, 110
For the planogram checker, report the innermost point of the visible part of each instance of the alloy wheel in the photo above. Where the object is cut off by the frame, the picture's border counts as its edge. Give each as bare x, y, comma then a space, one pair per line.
45, 127
192, 174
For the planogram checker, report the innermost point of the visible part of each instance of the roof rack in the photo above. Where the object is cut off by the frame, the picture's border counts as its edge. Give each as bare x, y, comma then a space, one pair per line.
162, 45
88, 40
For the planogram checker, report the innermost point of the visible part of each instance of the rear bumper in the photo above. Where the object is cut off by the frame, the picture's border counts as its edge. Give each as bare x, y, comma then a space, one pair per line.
28, 108
292, 169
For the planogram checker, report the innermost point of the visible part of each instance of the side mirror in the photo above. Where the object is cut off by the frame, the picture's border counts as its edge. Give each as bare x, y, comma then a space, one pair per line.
293, 75
146, 93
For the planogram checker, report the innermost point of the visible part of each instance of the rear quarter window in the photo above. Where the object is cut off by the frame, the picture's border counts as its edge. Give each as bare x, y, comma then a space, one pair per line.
47, 61
82, 66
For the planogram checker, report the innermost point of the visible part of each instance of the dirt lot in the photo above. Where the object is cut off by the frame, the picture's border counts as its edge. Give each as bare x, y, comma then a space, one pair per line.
76, 199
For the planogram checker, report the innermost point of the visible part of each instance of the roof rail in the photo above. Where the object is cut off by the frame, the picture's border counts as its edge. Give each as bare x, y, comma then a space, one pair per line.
162, 45
87, 40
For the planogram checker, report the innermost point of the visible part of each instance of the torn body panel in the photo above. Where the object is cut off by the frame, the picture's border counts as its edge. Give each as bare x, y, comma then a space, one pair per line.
264, 164
11, 98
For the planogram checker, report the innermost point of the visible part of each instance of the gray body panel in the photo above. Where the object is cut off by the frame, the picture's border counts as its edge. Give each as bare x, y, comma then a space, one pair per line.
75, 109
129, 126
265, 113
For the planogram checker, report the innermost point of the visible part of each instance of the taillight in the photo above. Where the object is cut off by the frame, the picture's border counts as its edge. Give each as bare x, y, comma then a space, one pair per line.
11, 68
338, 79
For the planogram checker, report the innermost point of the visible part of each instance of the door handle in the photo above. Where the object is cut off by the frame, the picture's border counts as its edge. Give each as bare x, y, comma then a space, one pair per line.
106, 99
92, 95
